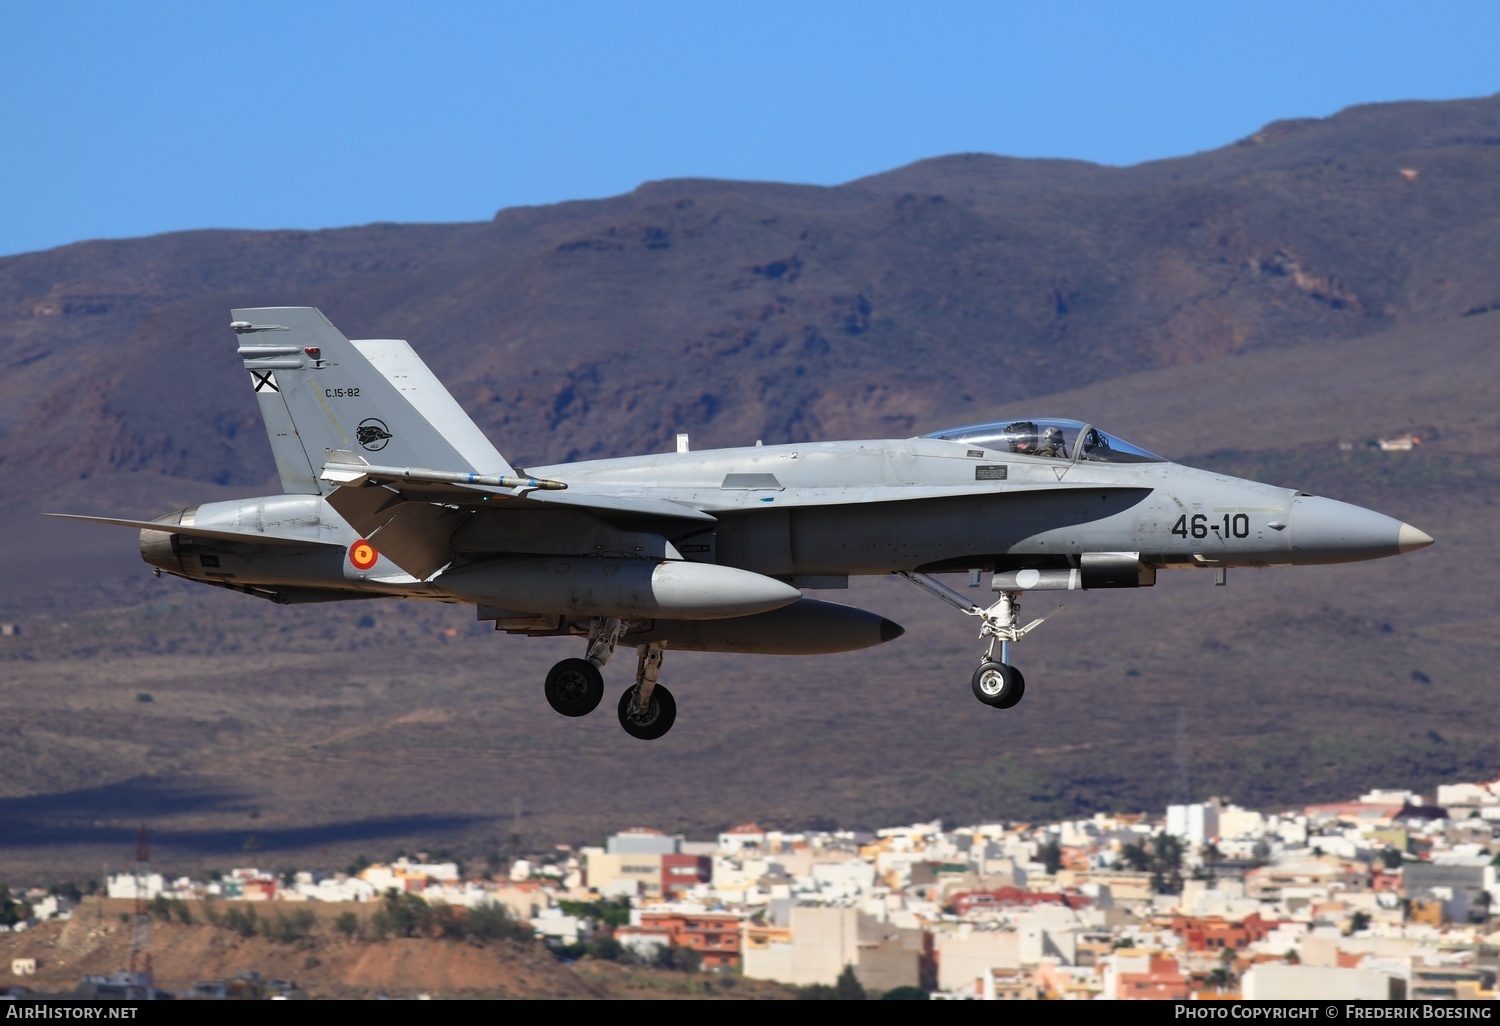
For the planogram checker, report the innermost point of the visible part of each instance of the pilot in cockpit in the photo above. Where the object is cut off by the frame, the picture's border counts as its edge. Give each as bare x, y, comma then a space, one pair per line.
1022, 436
1053, 444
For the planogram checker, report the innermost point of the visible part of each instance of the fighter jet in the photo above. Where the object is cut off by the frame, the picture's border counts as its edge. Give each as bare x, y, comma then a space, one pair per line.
390, 490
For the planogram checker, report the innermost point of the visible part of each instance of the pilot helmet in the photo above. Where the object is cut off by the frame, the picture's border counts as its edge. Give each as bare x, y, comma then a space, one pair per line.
1022, 436
1053, 437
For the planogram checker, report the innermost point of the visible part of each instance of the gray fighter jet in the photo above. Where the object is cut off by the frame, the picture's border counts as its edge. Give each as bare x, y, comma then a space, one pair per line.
391, 490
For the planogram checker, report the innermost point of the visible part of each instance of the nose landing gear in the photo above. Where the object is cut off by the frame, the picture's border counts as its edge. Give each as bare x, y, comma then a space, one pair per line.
996, 682
574, 687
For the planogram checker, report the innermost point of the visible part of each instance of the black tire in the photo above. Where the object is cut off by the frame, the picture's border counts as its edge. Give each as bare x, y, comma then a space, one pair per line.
574, 687
658, 718
995, 683
1017, 693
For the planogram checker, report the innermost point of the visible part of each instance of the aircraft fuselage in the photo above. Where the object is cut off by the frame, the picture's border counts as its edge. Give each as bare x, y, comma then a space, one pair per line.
835, 509
392, 490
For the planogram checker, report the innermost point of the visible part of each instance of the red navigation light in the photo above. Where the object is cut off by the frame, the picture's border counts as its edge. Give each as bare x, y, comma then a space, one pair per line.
312, 351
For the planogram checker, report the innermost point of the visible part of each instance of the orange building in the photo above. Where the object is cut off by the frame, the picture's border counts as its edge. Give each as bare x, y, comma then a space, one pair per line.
714, 935
1162, 981
1214, 933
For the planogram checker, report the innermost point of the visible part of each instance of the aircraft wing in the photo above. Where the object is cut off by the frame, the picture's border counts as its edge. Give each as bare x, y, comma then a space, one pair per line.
478, 495
640, 505
417, 484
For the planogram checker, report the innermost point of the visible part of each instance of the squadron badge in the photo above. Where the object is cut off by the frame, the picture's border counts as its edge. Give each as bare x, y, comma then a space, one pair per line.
372, 434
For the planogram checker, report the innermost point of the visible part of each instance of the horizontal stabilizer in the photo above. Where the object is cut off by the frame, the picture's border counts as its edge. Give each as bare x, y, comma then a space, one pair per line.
247, 537
413, 535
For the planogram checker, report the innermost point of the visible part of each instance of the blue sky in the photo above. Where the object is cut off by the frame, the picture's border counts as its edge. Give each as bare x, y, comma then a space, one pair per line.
123, 119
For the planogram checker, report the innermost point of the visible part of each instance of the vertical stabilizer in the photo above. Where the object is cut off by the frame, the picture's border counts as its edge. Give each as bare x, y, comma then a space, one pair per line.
399, 364
318, 391
297, 474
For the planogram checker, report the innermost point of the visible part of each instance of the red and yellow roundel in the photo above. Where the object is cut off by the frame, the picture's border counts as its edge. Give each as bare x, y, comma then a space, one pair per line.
363, 555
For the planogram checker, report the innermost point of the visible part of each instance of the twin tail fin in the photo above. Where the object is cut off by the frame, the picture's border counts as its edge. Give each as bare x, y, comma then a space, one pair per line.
319, 391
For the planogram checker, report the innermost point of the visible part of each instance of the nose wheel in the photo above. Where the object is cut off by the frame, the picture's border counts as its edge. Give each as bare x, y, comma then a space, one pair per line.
996, 683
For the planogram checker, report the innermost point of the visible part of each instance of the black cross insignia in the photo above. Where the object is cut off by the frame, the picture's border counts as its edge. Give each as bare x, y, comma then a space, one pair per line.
263, 379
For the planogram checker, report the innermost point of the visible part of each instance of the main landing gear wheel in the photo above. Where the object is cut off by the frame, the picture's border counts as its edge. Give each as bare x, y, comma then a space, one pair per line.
652, 722
998, 685
574, 687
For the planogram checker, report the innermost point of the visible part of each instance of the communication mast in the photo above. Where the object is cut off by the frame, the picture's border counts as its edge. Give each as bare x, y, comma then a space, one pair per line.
140, 937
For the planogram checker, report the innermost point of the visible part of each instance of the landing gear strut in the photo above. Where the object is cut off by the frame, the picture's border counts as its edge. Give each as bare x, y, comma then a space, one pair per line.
574, 687
647, 710
996, 682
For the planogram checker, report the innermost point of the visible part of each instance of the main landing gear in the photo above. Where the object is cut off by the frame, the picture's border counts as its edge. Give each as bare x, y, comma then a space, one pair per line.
575, 687
995, 683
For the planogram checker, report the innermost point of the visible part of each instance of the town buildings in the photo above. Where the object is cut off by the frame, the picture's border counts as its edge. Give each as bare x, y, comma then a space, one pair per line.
1380, 897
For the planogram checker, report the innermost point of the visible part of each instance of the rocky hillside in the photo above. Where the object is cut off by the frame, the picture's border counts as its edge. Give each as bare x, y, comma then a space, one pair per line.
327, 964
889, 305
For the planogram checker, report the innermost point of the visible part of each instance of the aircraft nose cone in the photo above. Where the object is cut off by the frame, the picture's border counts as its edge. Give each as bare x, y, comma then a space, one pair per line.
1329, 531
1410, 538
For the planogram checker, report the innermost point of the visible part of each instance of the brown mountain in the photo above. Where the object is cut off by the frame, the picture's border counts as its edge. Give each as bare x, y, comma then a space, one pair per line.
1244, 308
739, 310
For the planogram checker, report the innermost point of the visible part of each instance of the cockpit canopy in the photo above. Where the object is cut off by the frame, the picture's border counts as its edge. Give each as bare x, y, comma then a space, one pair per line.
1054, 439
